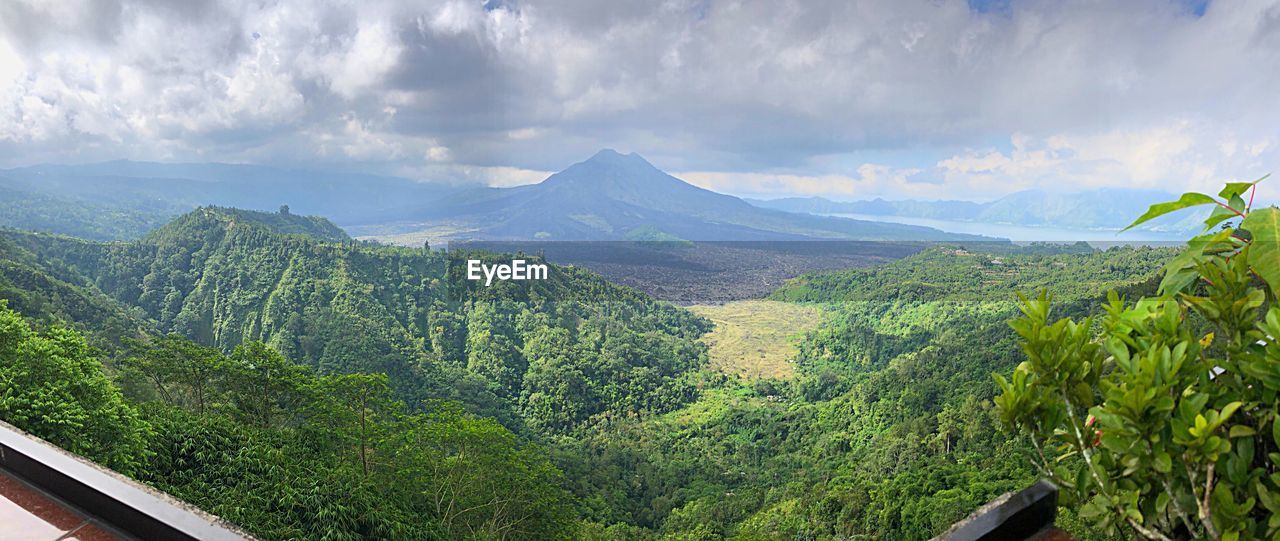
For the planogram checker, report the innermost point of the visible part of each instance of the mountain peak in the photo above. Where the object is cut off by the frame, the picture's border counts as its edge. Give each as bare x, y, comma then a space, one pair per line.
610, 156
605, 153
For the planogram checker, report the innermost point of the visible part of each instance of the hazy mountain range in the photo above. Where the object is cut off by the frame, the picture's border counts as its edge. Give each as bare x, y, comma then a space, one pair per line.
174, 189
610, 196
1107, 208
613, 196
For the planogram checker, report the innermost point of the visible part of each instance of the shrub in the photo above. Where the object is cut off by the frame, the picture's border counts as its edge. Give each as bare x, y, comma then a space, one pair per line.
1160, 415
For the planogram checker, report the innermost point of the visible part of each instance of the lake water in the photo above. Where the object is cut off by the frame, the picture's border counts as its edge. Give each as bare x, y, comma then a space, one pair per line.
1022, 233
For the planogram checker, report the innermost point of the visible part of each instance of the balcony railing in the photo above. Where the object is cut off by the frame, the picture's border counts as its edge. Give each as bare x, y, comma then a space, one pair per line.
1027, 514
48, 492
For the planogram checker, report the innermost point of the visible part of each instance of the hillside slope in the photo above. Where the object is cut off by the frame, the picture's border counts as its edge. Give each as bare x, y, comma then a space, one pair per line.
23, 207
553, 353
883, 429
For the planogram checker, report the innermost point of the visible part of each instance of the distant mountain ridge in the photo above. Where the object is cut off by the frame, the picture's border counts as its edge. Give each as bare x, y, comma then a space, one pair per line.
614, 196
1105, 208
23, 207
610, 196
171, 189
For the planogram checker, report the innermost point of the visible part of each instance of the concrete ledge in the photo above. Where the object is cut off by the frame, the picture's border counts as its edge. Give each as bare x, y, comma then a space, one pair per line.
123, 503
1017, 515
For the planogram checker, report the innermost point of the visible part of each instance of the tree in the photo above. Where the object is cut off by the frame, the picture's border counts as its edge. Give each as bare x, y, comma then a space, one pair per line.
353, 411
262, 384
477, 480
51, 386
180, 371
1165, 419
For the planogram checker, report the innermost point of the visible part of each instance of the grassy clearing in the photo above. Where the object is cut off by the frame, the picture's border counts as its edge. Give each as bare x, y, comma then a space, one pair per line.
757, 338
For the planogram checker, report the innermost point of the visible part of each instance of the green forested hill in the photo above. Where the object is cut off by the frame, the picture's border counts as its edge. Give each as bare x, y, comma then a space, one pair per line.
559, 350
379, 334
282, 222
955, 273
347, 390
29, 209
886, 431
50, 292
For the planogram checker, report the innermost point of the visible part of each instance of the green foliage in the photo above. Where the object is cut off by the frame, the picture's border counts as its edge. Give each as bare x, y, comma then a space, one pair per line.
303, 379
339, 390
473, 476
1160, 209
344, 460
27, 209
969, 275
53, 293
278, 450
51, 385
313, 227
225, 277
886, 431
1147, 421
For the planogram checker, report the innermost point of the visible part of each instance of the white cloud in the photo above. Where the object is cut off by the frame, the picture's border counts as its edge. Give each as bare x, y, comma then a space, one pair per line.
1087, 93
1176, 156
372, 52
869, 180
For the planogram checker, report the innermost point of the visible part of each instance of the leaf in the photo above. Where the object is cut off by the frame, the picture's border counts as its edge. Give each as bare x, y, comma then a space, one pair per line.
1181, 271
1228, 410
1189, 199
1219, 215
1264, 250
1275, 429
1236, 189
1239, 431
1163, 462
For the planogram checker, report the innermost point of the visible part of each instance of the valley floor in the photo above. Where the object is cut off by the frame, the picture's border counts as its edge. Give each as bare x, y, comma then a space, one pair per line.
758, 338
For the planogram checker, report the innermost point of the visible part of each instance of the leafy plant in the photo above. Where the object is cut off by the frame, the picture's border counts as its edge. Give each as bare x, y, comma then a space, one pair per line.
1160, 416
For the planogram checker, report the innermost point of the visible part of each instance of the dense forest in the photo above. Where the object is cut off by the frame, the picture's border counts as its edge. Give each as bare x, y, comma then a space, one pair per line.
303, 385
22, 207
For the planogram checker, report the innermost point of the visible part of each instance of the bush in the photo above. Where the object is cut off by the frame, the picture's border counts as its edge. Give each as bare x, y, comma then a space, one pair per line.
1160, 416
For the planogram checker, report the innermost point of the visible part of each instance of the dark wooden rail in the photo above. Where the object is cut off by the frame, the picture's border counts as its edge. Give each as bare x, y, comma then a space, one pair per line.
1027, 514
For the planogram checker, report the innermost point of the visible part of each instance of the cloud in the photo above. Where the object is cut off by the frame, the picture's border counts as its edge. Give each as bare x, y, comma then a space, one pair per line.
1175, 156
870, 180
885, 96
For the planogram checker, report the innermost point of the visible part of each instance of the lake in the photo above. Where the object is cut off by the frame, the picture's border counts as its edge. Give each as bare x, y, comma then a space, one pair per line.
1023, 233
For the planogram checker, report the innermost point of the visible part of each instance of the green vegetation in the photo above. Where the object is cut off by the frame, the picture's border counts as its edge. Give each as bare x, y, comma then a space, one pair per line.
52, 386
334, 370
283, 222
554, 353
269, 445
42, 212
1161, 416
757, 339
309, 388
885, 431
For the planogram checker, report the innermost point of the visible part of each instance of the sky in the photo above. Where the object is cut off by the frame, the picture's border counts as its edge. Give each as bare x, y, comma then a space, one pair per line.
930, 99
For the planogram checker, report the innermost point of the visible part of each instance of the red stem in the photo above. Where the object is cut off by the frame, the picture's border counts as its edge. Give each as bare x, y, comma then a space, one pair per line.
1228, 207
1252, 190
